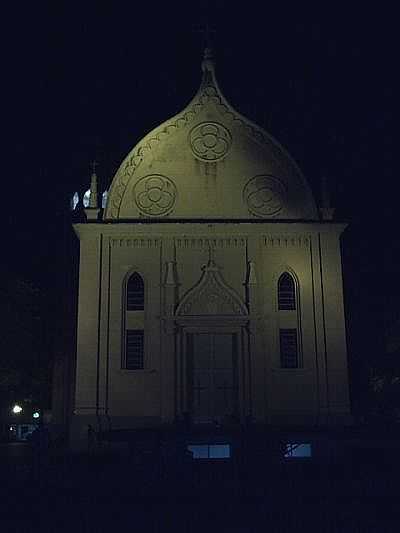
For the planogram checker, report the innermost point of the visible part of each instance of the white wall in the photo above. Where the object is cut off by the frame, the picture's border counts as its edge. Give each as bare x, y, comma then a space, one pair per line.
315, 393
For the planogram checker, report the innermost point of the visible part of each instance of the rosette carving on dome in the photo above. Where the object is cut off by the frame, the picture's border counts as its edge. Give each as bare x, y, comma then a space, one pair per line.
155, 195
208, 93
210, 141
265, 195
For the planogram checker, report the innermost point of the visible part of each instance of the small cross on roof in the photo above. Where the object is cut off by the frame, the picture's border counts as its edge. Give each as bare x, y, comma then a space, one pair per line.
210, 253
94, 164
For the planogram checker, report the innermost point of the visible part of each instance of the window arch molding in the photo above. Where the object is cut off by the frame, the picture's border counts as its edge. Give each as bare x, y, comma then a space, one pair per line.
131, 272
285, 269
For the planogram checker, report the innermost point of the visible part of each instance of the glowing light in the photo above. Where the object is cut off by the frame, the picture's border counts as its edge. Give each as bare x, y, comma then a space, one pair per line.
74, 201
17, 409
86, 198
210, 451
294, 449
35, 414
11, 428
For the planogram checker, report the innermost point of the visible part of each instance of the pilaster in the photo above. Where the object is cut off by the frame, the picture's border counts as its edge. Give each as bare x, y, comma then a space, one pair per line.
86, 391
168, 362
256, 359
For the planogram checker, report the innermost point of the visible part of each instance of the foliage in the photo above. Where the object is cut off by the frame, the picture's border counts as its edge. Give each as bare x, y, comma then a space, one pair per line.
385, 392
24, 368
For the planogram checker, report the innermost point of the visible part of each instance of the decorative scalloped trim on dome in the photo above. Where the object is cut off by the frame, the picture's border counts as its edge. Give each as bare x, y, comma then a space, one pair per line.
208, 92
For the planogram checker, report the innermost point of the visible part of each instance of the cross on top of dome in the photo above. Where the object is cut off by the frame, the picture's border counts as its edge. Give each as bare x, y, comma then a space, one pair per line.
207, 32
94, 164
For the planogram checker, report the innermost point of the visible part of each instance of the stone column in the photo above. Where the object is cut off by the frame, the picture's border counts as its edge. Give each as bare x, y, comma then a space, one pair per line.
255, 368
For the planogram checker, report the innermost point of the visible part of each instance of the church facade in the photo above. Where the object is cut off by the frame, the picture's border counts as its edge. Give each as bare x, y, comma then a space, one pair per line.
210, 285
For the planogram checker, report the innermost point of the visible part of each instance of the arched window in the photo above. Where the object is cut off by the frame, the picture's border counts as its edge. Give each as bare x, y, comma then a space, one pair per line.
289, 322
135, 293
133, 355
286, 293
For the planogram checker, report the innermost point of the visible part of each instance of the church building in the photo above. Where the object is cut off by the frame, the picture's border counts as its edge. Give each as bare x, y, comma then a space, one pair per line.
210, 284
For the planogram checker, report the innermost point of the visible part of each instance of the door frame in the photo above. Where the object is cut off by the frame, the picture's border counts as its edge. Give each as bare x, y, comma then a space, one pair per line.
190, 372
216, 325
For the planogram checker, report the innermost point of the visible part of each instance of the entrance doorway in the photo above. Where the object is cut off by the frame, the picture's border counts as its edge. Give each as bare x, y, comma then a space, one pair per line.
212, 376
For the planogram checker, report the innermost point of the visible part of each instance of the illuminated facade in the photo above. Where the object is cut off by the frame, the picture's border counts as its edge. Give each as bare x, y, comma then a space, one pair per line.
210, 284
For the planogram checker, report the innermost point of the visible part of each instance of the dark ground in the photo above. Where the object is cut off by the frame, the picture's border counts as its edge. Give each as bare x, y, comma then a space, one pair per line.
106, 493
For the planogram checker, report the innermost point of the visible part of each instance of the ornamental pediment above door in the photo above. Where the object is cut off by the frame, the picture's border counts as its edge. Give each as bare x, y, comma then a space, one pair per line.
211, 296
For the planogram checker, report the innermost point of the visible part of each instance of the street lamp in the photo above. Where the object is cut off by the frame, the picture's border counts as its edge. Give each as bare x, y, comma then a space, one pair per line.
17, 409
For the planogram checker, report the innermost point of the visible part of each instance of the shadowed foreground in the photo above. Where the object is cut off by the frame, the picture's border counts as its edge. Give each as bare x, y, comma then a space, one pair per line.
109, 492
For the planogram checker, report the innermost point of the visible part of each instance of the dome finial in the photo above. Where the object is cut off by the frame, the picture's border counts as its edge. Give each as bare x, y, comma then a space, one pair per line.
207, 32
94, 164
208, 53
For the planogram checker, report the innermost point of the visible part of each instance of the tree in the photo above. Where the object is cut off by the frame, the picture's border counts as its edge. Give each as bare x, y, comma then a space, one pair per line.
24, 361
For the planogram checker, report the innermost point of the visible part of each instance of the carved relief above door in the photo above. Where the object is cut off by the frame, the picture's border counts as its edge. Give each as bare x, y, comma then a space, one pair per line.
211, 296
212, 363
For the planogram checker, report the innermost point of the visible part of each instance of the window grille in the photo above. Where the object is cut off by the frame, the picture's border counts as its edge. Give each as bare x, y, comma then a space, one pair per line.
134, 349
288, 347
135, 293
286, 293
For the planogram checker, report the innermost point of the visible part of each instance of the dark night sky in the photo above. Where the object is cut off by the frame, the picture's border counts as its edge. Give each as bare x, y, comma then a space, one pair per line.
89, 82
